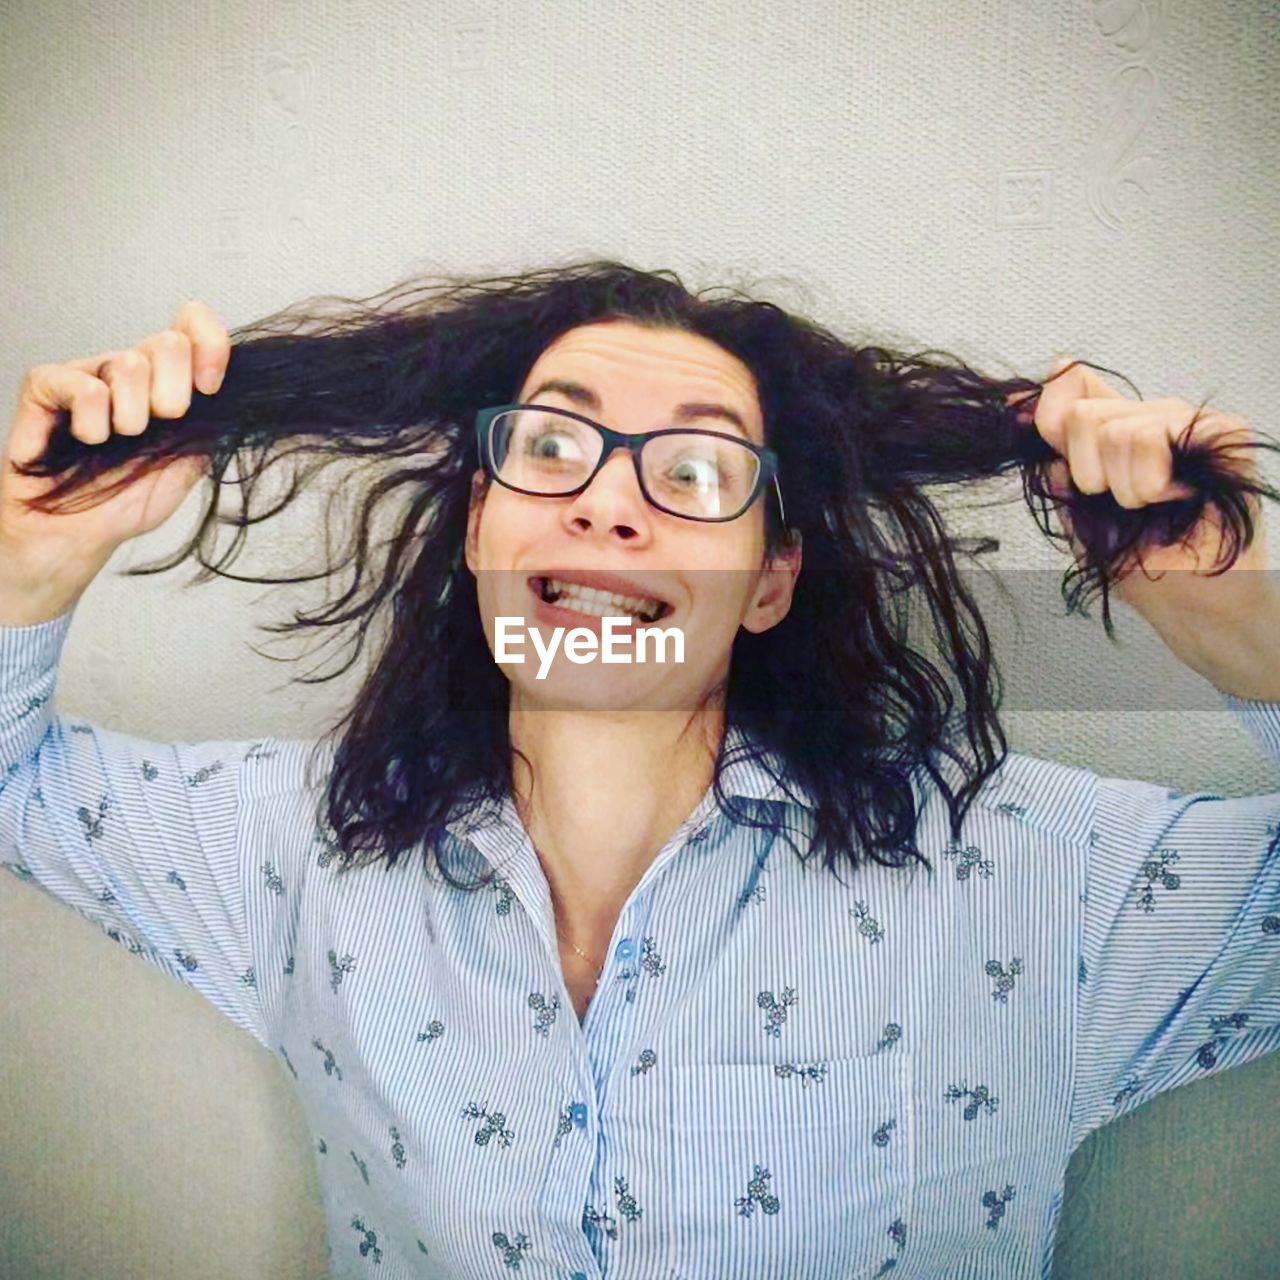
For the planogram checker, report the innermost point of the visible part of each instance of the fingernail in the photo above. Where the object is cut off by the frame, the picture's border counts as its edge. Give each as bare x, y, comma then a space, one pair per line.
209, 379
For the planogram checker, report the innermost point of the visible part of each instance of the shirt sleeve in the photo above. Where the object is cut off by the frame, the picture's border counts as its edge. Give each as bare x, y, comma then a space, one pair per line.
139, 837
1179, 973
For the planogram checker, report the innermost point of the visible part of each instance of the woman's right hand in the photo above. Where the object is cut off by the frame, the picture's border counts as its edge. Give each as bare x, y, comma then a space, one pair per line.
114, 391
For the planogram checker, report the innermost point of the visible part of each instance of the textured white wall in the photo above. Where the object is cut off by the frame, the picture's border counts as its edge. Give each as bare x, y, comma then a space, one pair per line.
1003, 180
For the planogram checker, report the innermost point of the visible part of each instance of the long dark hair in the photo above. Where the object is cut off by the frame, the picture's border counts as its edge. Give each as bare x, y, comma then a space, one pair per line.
835, 690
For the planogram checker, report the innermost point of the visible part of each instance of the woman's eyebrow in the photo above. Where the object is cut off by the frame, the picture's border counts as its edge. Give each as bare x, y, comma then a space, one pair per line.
686, 412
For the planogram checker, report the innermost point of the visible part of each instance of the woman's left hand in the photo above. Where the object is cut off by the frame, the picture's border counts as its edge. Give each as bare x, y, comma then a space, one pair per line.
1108, 442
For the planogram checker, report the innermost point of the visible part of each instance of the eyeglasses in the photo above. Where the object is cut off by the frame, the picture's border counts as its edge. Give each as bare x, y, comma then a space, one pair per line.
555, 453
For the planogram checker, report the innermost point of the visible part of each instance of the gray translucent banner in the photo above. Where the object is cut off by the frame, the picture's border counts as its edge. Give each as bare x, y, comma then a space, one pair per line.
1047, 659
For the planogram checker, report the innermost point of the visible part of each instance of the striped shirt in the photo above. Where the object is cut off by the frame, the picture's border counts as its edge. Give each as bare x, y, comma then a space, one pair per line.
780, 1074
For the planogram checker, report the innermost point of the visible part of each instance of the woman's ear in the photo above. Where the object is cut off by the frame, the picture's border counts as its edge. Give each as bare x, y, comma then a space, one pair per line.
772, 600
474, 510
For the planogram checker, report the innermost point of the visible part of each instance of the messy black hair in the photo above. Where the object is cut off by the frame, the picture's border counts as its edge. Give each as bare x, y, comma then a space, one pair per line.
836, 689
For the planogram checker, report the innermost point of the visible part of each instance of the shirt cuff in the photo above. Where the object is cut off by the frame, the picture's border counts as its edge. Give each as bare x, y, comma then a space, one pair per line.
28, 672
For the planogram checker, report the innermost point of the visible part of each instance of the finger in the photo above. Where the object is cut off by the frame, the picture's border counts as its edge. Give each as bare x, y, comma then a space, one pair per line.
169, 354
1063, 392
48, 388
210, 343
1102, 408
1082, 430
128, 375
1151, 462
1115, 441
1028, 412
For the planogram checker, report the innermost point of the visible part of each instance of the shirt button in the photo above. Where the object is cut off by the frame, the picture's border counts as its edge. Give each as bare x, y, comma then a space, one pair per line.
578, 1275
625, 949
578, 1113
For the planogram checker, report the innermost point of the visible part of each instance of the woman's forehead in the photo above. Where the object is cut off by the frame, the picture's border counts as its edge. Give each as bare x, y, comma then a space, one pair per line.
617, 360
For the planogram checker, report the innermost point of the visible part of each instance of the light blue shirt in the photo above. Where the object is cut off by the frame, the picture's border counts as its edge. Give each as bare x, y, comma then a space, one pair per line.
779, 1075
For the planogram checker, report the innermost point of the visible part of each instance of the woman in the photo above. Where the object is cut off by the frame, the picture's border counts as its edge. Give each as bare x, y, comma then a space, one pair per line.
772, 1071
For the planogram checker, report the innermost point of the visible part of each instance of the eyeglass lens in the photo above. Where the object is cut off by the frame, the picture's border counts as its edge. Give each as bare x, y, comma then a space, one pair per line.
694, 474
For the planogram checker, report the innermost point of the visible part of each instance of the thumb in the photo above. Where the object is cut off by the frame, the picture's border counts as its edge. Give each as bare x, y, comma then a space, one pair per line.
1058, 474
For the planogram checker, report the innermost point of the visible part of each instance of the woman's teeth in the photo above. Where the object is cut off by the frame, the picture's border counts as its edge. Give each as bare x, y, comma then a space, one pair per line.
599, 604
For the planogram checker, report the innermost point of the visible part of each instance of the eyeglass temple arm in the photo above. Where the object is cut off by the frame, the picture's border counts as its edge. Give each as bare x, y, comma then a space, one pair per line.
782, 511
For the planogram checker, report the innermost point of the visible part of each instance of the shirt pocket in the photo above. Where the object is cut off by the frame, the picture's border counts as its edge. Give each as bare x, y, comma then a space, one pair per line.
801, 1172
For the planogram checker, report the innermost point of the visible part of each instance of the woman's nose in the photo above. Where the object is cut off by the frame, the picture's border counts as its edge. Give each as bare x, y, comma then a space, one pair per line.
614, 494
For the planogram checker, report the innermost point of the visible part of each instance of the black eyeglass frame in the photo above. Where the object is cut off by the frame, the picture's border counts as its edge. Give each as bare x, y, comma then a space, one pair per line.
633, 442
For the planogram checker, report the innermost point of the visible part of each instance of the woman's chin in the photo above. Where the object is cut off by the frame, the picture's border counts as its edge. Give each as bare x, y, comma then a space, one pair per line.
567, 686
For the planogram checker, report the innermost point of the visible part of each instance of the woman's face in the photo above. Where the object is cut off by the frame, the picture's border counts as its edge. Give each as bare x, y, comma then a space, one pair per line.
712, 577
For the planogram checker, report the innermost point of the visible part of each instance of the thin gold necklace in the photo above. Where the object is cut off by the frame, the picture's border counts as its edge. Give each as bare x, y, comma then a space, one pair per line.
583, 954
561, 936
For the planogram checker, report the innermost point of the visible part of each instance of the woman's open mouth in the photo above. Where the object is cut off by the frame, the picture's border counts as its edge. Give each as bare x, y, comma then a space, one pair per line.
593, 603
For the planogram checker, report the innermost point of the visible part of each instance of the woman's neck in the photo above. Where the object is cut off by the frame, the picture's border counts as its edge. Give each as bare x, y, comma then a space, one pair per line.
600, 795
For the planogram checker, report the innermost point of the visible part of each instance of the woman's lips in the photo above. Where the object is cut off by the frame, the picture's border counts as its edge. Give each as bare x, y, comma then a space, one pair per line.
553, 615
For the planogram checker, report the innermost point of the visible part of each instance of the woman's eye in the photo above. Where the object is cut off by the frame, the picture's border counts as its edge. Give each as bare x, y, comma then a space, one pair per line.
700, 471
550, 444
